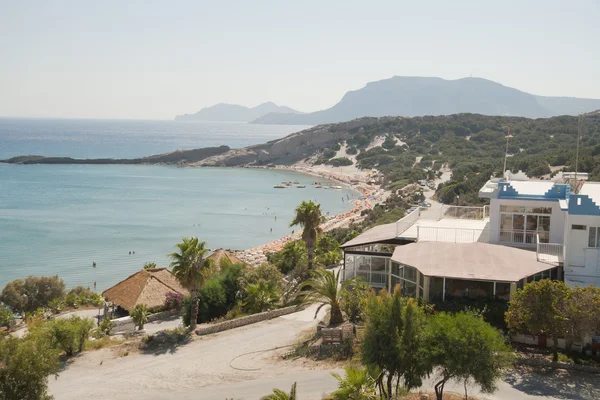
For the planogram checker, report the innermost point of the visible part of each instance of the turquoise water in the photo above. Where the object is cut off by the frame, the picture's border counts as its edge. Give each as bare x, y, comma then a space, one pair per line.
59, 219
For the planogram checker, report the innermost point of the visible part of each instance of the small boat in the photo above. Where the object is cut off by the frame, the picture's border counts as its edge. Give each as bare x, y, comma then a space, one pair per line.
318, 187
300, 186
279, 186
296, 183
336, 187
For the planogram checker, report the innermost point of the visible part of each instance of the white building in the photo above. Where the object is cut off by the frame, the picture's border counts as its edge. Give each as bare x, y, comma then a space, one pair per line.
553, 229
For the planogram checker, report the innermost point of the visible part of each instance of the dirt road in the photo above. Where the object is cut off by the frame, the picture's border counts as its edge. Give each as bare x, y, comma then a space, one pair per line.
225, 358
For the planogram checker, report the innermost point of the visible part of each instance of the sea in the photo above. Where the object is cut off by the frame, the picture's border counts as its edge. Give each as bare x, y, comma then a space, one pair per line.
60, 219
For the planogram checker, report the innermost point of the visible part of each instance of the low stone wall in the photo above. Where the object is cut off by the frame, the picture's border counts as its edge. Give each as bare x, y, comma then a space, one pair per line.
125, 324
540, 362
247, 320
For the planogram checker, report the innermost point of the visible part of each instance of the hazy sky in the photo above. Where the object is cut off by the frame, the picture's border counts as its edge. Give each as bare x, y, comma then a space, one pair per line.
156, 59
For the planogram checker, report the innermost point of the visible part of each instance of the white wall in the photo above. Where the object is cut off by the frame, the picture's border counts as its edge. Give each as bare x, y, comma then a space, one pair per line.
581, 260
557, 219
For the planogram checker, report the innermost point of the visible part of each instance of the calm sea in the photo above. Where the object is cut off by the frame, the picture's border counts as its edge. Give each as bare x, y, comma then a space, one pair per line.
59, 219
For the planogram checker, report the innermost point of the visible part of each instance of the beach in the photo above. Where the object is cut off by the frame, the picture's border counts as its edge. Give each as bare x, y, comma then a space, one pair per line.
362, 181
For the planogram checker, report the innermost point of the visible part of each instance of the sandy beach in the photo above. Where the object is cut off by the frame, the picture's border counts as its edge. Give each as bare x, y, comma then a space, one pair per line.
363, 181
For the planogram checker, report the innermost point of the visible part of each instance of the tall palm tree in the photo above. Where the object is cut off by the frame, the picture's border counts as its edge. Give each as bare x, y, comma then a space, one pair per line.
189, 267
309, 217
323, 288
281, 395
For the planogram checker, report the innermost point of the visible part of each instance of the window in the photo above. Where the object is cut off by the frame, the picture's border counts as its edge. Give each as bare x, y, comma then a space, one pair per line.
594, 237
519, 224
578, 227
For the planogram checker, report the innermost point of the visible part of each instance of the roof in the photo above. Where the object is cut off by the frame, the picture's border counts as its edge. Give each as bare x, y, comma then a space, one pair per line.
376, 234
148, 286
480, 261
533, 188
448, 229
591, 190
219, 254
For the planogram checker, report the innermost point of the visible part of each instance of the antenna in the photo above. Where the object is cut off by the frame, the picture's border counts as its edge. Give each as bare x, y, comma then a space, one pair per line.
579, 125
508, 136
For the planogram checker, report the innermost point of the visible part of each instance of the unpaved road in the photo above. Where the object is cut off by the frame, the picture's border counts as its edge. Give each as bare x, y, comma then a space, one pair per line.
220, 359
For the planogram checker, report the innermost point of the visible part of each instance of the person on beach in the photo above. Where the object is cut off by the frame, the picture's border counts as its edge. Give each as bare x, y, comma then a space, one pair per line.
94, 264
271, 229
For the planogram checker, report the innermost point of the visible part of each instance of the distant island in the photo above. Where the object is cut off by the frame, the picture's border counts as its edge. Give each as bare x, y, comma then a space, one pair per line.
236, 113
420, 96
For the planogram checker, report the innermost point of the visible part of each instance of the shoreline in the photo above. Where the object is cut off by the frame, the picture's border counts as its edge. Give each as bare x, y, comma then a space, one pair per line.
371, 194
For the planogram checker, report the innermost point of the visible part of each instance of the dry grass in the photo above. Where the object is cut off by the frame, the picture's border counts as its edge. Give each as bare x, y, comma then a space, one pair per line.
105, 342
447, 396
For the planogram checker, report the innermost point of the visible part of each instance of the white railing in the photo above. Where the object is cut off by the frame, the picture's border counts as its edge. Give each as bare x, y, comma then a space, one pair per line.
464, 212
520, 237
550, 253
407, 221
374, 278
451, 235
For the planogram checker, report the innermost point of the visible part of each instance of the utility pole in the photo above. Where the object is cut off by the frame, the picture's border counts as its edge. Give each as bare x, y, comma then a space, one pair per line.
506, 151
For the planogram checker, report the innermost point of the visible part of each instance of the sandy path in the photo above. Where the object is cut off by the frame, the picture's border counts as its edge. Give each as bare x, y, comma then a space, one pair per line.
201, 363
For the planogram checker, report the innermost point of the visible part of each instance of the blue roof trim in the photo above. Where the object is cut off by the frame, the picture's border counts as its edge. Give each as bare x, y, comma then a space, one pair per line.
580, 204
556, 192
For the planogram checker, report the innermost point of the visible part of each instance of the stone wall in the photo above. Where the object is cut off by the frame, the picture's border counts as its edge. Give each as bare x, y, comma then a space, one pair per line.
539, 362
247, 320
125, 324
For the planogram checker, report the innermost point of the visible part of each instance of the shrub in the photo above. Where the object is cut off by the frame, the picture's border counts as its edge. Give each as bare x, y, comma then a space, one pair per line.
352, 150
25, 366
7, 318
261, 296
106, 325
340, 161
139, 315
149, 265
69, 335
265, 272
82, 296
27, 295
173, 301
389, 143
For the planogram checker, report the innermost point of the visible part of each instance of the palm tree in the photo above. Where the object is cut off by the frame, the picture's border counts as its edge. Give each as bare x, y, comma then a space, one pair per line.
139, 315
281, 395
357, 384
189, 267
309, 217
324, 288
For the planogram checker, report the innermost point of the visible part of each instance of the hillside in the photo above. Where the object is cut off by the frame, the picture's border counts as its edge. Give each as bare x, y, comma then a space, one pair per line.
235, 113
416, 148
419, 96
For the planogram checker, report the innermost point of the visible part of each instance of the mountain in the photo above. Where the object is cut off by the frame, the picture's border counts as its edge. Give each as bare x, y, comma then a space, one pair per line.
419, 96
235, 113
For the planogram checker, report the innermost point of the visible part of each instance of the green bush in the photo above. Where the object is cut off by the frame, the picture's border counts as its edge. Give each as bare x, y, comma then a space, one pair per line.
7, 318
340, 162
261, 296
31, 293
82, 296
389, 143
25, 365
139, 315
352, 150
69, 334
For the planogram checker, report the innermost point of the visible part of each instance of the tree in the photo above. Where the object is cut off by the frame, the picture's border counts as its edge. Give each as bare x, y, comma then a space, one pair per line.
290, 257
149, 265
67, 334
393, 342
139, 315
323, 288
582, 314
31, 293
356, 384
25, 365
281, 395
538, 309
354, 301
189, 268
7, 318
309, 217
463, 346
261, 296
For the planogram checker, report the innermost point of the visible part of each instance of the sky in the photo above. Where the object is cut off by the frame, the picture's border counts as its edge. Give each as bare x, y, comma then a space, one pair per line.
156, 59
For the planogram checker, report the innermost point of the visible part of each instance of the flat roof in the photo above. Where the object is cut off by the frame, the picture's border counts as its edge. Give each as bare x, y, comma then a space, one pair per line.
479, 261
534, 188
445, 229
376, 234
591, 190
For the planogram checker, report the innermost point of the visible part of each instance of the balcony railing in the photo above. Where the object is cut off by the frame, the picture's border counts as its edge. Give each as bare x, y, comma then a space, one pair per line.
550, 253
464, 212
407, 221
374, 278
451, 235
